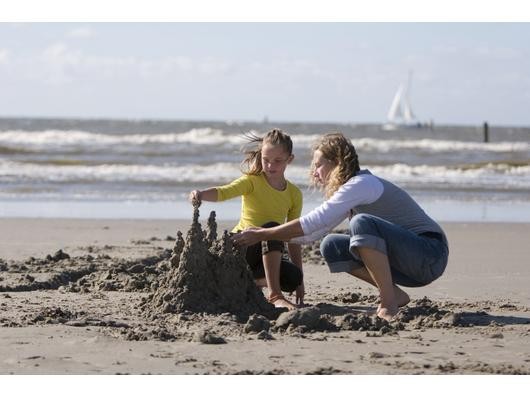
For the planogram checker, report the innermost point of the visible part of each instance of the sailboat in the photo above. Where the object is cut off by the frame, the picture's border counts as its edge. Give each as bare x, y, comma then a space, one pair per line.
400, 114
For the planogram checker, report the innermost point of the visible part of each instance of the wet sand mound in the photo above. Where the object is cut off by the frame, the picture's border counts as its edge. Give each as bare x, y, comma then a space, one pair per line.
207, 275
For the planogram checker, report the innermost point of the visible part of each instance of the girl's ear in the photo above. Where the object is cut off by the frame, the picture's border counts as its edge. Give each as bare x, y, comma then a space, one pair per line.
291, 158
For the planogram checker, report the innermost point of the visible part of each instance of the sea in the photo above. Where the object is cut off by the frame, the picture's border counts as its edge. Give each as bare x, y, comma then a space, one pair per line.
145, 169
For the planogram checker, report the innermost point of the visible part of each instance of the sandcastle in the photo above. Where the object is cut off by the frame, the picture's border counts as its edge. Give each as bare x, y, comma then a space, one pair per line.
207, 275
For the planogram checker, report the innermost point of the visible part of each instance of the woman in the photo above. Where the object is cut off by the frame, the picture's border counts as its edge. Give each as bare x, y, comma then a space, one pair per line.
392, 241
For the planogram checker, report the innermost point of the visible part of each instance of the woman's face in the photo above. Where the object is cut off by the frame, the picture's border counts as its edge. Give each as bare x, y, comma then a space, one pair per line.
321, 167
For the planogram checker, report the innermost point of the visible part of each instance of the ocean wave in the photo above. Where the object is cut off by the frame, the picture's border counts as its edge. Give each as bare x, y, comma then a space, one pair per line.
437, 146
52, 140
195, 139
487, 176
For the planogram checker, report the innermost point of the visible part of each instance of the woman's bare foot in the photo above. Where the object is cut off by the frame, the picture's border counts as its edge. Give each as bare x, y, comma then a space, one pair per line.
402, 298
387, 312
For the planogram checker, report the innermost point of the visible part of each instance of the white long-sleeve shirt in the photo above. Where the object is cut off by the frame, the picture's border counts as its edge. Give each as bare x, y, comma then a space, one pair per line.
366, 193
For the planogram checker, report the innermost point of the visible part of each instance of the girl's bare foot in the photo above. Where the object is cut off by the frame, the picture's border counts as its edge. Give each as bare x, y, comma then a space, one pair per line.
279, 301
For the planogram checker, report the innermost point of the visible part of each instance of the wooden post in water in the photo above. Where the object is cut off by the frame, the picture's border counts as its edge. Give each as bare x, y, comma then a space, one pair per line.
486, 132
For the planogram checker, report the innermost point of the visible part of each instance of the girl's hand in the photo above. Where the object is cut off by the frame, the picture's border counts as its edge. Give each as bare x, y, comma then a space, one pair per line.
195, 197
247, 237
300, 293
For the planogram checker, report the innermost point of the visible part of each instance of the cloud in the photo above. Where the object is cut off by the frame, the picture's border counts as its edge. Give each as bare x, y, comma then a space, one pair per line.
59, 63
4, 57
81, 32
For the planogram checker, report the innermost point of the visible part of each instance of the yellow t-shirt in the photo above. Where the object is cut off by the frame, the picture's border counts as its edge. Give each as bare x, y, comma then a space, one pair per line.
261, 203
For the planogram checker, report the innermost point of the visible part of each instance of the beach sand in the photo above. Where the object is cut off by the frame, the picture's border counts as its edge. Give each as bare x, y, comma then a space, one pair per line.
81, 315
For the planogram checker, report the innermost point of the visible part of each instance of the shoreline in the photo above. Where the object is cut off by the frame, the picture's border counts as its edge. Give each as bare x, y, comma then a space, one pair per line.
485, 258
441, 210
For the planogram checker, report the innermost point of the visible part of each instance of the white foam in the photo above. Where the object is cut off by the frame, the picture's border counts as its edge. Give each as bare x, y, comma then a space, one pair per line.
490, 176
13, 171
61, 139
437, 146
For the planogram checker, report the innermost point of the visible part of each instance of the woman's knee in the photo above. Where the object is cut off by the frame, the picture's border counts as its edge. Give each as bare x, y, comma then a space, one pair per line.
335, 247
362, 224
328, 247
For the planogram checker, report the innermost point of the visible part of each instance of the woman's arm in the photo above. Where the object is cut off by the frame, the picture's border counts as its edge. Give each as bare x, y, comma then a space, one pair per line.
283, 232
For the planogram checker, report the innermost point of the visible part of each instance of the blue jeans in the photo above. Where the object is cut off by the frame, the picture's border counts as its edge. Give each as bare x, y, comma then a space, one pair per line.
415, 260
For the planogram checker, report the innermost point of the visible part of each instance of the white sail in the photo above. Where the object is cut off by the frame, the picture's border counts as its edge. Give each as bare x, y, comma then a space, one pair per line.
395, 108
408, 115
400, 112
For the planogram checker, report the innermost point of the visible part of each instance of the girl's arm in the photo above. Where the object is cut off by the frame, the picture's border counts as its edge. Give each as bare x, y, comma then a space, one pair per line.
295, 252
198, 196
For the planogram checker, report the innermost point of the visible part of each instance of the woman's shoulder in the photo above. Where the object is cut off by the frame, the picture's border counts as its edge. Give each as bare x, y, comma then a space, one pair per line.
363, 175
363, 179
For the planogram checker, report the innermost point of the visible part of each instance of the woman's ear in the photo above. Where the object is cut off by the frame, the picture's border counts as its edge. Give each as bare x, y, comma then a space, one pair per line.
291, 158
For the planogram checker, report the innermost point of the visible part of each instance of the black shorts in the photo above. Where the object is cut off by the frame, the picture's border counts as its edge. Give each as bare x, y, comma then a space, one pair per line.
290, 275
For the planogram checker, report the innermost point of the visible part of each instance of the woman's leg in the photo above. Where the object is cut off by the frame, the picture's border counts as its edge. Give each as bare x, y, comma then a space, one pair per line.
392, 254
335, 249
402, 298
379, 269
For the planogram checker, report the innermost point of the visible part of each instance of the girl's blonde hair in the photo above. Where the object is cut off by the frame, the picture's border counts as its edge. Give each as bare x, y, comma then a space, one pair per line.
251, 165
335, 147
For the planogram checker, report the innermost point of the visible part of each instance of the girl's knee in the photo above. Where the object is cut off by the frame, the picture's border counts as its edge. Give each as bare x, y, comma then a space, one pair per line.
290, 277
270, 224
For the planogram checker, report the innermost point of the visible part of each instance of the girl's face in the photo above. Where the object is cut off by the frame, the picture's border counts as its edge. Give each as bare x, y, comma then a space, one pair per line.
274, 160
322, 167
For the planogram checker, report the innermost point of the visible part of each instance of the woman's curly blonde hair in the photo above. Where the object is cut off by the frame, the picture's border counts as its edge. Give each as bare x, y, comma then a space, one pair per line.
335, 147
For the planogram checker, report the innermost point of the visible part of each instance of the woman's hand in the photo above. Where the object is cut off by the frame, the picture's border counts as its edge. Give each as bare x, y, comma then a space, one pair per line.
247, 237
195, 198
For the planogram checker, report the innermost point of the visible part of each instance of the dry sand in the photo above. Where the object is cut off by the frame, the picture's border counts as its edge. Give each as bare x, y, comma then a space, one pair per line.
86, 311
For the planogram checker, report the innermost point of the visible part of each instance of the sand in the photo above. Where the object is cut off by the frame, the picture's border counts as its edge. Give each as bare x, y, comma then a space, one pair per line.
75, 297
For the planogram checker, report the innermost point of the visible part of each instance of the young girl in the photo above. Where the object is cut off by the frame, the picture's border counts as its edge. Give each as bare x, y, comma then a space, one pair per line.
269, 199
392, 240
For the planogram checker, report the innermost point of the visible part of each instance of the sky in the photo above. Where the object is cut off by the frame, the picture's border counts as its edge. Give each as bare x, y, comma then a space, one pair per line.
462, 73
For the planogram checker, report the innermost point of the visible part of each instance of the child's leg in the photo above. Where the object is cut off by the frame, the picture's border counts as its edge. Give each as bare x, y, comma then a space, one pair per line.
272, 252
291, 276
271, 264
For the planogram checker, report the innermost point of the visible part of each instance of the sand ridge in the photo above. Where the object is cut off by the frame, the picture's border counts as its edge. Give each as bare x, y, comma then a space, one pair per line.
141, 293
